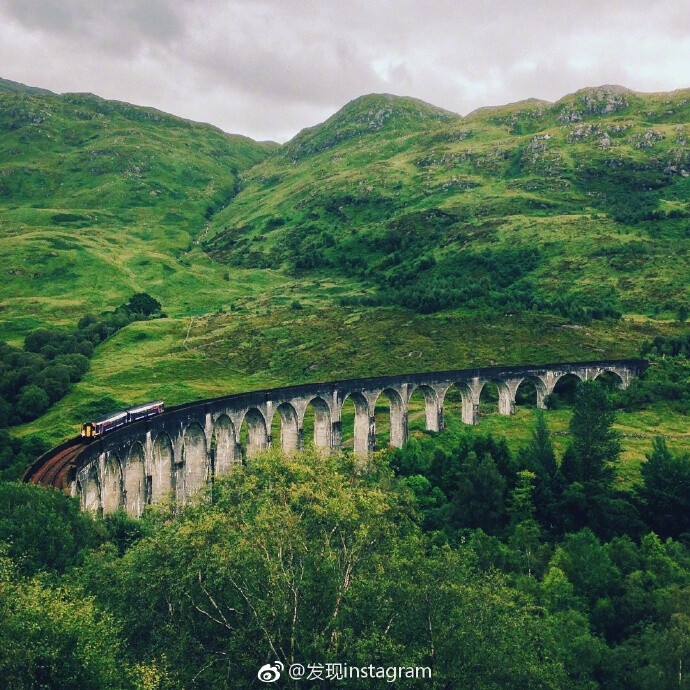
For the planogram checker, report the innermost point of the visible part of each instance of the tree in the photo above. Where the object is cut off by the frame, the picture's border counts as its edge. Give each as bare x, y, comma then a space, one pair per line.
77, 365
522, 506
665, 490
539, 457
45, 529
32, 402
268, 573
302, 558
486, 634
479, 500
54, 380
5, 413
142, 303
588, 566
37, 339
583, 652
595, 446
655, 657
16, 453
590, 499
55, 638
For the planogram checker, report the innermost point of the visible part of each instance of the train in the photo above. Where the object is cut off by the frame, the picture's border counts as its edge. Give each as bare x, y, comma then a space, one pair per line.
115, 420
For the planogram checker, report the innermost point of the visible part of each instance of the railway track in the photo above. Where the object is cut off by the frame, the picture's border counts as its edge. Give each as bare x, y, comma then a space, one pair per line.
52, 468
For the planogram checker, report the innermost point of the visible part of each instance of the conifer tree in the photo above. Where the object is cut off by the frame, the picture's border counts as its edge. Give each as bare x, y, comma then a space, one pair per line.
665, 490
590, 499
539, 457
595, 445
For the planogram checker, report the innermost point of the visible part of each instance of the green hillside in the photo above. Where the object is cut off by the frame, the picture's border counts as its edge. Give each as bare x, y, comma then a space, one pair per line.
579, 208
394, 237
99, 199
16, 87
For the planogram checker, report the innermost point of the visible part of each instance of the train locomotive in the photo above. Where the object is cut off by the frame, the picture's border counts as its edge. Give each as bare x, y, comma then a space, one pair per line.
115, 420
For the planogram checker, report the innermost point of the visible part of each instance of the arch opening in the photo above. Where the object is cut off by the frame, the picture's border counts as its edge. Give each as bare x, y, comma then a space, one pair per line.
488, 398
253, 433
495, 394
284, 428
457, 405
112, 484
390, 416
354, 416
316, 424
195, 460
162, 469
135, 481
530, 393
563, 393
223, 443
422, 410
610, 380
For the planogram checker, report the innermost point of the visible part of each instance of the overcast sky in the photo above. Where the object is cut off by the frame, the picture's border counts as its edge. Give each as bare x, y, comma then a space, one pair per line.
268, 68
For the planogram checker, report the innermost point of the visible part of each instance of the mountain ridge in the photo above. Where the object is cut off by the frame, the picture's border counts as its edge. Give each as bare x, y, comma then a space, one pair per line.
362, 116
10, 86
17, 87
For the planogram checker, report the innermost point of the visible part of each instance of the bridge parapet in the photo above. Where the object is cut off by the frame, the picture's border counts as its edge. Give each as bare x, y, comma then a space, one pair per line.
182, 450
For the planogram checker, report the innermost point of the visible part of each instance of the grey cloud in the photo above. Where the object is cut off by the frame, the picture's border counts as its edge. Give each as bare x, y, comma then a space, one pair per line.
268, 68
118, 24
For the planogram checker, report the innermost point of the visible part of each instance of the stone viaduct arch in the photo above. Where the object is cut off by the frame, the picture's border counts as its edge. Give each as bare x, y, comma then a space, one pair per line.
135, 480
223, 445
179, 452
112, 484
162, 462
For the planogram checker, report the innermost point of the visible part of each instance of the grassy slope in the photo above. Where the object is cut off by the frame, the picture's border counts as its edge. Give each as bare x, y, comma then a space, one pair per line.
101, 199
385, 191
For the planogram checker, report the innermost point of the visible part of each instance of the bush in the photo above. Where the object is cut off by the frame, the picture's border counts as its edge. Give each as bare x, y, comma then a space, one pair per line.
76, 364
54, 380
45, 529
32, 402
668, 346
5, 413
666, 380
553, 401
17, 453
142, 303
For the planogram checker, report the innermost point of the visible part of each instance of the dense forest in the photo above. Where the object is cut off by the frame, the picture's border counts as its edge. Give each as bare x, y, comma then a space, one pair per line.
496, 569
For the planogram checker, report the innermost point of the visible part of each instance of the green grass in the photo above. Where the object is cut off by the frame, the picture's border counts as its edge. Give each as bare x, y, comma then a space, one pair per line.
265, 343
638, 429
368, 203
100, 200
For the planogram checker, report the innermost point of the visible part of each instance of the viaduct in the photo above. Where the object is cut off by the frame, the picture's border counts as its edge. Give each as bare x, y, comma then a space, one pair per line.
180, 451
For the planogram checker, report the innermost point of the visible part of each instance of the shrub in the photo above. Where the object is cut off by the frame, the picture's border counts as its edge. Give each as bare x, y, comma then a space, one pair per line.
142, 303
32, 402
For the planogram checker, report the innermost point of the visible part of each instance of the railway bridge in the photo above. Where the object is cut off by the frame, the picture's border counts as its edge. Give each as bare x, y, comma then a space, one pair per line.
180, 451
